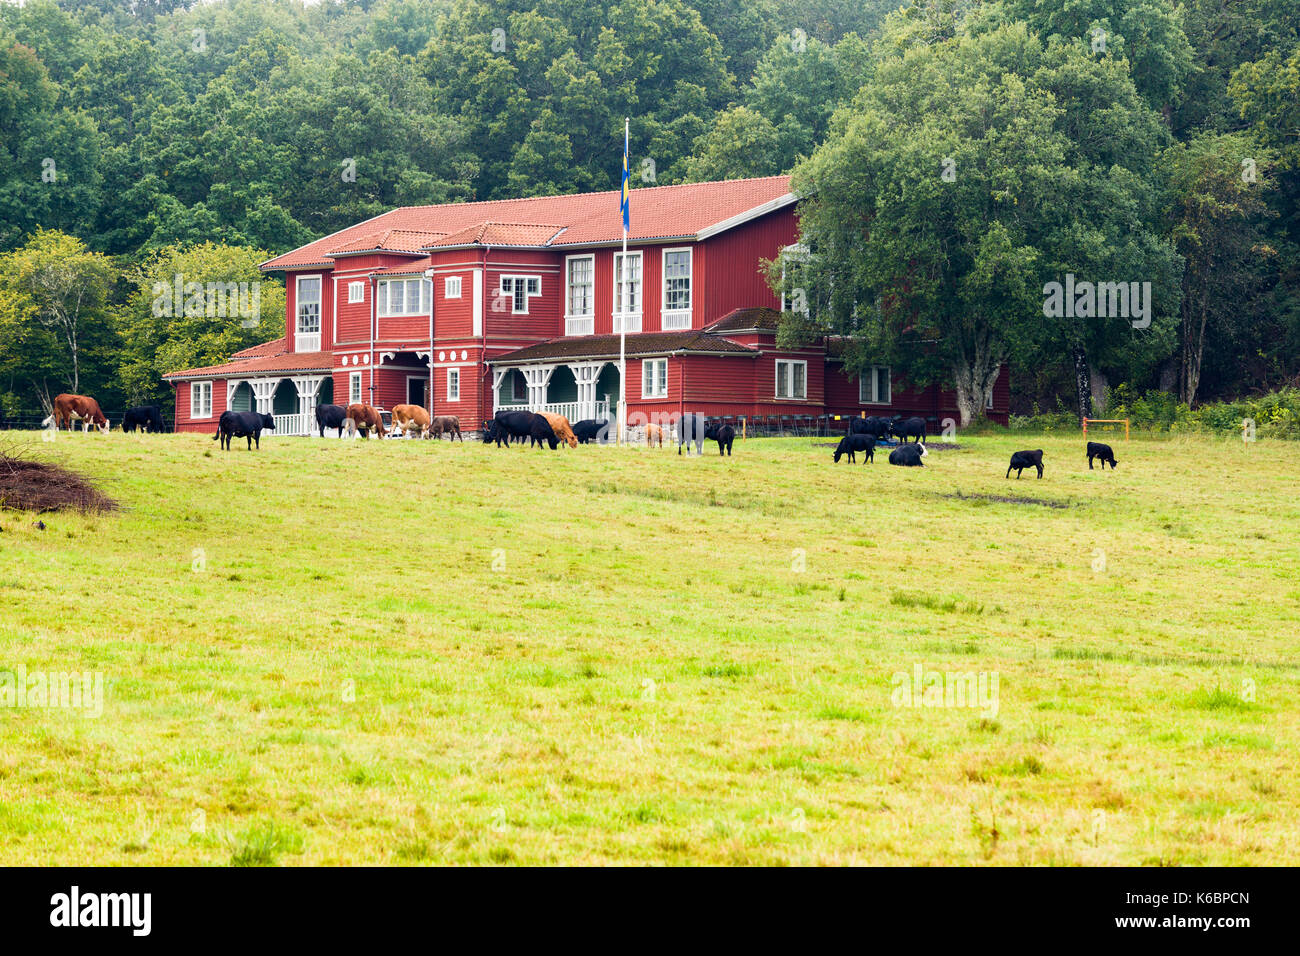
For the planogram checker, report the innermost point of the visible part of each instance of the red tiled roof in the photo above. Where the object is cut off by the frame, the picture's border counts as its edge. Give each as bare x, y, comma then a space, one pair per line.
414, 267
390, 240
500, 234
658, 212
273, 347
742, 320
641, 343
284, 362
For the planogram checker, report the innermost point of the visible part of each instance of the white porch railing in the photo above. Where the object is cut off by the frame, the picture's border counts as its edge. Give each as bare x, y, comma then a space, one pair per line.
297, 424
573, 411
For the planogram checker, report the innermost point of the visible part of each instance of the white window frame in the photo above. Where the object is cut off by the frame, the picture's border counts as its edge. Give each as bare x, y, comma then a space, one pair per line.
791, 363
308, 339
988, 402
355, 392
356, 292
506, 285
202, 408
871, 377
451, 287
654, 372
579, 323
794, 253
679, 318
632, 321
453, 385
383, 292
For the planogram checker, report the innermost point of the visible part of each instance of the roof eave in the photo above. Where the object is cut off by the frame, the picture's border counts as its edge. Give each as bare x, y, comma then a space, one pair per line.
772, 205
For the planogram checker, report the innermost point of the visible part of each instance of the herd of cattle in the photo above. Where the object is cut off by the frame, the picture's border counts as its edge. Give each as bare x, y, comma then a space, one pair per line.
539, 429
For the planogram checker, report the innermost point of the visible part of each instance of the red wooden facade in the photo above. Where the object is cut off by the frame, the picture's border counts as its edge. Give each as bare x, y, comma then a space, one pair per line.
513, 304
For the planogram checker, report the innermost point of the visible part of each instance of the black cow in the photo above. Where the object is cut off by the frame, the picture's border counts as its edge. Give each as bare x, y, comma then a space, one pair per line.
851, 444
243, 425
722, 433
908, 456
1026, 459
691, 428
1095, 450
330, 416
507, 425
872, 425
148, 418
905, 428
591, 429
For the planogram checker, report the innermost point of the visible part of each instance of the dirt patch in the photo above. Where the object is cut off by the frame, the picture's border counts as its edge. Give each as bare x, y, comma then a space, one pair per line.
1011, 500
38, 486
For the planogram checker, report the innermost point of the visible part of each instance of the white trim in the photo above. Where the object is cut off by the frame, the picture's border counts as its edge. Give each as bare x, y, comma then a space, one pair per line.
447, 287
513, 277
620, 320
870, 371
381, 298
301, 338
478, 282
360, 289
770, 206
359, 379
587, 319
645, 378
202, 389
664, 311
776, 380
456, 396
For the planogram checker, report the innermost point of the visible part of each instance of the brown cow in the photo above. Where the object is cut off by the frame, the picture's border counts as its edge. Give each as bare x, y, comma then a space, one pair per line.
448, 424
364, 418
82, 408
560, 425
654, 433
408, 417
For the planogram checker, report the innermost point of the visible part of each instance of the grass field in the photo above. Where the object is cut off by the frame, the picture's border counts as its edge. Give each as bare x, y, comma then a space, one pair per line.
410, 652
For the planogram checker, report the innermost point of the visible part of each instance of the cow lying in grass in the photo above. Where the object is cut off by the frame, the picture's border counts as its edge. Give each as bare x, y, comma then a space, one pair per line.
1097, 450
864, 442
1026, 459
909, 456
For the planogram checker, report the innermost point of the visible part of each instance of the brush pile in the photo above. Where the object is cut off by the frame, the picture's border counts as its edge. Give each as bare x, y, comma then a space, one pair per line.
29, 485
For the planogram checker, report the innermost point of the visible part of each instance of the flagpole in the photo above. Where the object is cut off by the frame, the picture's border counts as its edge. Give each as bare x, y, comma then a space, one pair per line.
622, 325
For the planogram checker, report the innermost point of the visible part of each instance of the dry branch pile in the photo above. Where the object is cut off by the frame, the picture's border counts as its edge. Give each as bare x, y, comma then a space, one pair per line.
39, 486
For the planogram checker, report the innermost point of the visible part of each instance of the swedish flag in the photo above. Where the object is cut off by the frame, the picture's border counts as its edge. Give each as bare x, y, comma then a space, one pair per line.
625, 201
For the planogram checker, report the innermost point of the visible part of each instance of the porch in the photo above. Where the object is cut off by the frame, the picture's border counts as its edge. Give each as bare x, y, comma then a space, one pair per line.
291, 402
579, 390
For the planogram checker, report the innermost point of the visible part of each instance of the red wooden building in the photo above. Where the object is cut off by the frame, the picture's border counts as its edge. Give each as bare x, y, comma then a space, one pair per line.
471, 307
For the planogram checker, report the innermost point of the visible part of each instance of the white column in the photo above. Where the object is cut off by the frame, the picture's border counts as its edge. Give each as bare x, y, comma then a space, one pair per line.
498, 376
231, 385
477, 283
586, 374
538, 377
308, 387
264, 393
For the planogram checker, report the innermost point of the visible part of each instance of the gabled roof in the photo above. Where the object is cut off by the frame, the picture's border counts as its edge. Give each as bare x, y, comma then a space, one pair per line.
747, 320
606, 346
690, 211
267, 357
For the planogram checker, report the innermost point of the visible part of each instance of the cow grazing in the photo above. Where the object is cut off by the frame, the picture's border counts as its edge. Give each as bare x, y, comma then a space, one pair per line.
1097, 450
691, 428
248, 425
654, 435
1026, 459
591, 429
147, 418
908, 456
905, 428
81, 408
560, 425
410, 418
723, 434
522, 424
330, 416
445, 425
879, 427
365, 418
851, 444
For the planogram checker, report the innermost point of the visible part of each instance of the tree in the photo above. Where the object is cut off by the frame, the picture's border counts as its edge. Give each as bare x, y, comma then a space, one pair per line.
56, 291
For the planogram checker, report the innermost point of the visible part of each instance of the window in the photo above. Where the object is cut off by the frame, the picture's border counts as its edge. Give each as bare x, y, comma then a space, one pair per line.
580, 300
654, 378
521, 289
451, 287
308, 326
794, 282
403, 297
519, 386
677, 289
988, 402
200, 400
873, 386
354, 388
453, 385
631, 322
791, 379
356, 292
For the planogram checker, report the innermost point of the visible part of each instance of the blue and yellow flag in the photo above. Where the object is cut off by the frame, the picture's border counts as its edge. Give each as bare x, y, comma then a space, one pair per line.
625, 201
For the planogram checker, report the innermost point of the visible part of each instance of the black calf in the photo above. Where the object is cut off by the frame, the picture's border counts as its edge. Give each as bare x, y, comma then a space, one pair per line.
1026, 459
1097, 450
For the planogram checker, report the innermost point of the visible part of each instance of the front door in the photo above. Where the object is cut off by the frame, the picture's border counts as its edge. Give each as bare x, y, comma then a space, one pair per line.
417, 392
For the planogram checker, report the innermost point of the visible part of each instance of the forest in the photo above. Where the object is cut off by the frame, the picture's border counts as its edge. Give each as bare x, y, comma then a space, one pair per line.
955, 157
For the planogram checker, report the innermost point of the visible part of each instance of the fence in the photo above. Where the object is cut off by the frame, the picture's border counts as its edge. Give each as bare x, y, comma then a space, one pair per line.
1105, 421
